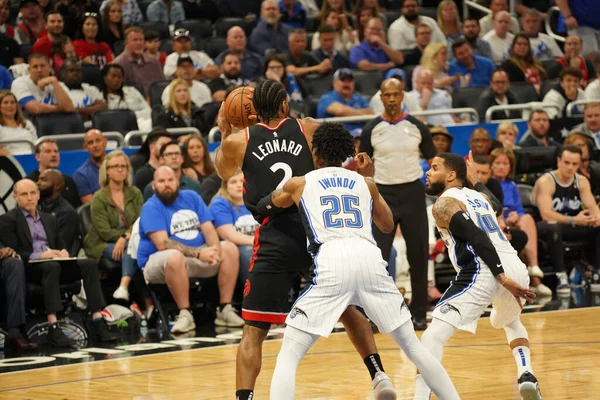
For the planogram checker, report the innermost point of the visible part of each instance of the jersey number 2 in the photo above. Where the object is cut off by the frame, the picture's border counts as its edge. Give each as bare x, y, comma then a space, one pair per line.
347, 206
287, 172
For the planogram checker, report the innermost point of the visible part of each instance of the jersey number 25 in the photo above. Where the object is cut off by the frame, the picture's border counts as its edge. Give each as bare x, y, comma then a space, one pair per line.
350, 217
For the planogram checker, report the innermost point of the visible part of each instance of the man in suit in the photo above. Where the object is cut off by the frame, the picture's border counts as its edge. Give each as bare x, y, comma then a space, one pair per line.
34, 236
12, 273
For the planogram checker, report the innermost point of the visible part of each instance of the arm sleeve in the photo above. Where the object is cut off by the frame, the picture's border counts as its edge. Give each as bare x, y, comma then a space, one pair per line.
222, 212
365, 138
426, 146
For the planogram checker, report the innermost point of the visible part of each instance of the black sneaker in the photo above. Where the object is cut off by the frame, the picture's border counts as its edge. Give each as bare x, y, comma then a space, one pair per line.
101, 332
419, 324
528, 387
57, 338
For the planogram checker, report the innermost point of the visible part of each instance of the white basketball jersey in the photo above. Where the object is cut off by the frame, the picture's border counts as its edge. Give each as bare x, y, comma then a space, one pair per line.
336, 204
483, 215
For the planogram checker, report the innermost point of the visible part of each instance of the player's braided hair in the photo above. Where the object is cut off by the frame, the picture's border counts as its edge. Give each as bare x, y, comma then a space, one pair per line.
267, 99
333, 143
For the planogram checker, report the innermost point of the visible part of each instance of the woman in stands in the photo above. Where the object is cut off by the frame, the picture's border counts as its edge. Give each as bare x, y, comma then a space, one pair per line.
339, 6
5, 27
180, 111
503, 169
507, 134
362, 19
521, 66
115, 208
449, 21
13, 126
87, 47
373, 5
197, 163
275, 70
435, 59
345, 38
233, 220
119, 97
112, 23
129, 9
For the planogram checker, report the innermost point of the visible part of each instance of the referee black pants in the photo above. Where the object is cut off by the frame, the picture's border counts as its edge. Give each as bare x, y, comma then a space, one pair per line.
407, 202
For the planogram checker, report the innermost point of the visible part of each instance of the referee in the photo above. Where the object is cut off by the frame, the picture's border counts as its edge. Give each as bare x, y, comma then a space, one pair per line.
395, 141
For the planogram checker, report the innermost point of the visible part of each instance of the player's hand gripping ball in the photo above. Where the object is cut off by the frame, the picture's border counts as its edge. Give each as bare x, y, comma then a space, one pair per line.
239, 108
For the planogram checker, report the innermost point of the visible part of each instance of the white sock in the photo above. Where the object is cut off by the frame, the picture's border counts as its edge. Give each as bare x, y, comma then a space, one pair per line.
522, 356
422, 391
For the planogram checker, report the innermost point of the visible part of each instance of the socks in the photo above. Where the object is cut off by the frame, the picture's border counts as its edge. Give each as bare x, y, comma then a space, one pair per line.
244, 394
422, 391
374, 365
222, 306
522, 356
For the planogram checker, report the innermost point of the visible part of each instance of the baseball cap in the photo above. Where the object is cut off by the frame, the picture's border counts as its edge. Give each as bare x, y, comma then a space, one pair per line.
181, 33
184, 58
343, 73
25, 3
440, 130
395, 73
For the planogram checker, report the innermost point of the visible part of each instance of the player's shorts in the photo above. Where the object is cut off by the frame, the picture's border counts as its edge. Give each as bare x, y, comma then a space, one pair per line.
280, 256
471, 293
348, 272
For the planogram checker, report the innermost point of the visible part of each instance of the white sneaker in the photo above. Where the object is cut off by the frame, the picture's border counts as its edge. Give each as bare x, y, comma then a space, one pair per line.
535, 271
122, 293
185, 322
228, 317
562, 288
383, 389
542, 290
148, 312
80, 299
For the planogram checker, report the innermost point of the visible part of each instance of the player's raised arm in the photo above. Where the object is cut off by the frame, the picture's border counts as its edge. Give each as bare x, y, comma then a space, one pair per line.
382, 215
309, 125
280, 199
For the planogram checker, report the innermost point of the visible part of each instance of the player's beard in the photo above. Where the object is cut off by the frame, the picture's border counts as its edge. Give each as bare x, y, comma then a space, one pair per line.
168, 198
435, 189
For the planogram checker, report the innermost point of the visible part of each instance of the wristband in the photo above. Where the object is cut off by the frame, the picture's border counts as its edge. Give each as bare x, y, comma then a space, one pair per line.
571, 221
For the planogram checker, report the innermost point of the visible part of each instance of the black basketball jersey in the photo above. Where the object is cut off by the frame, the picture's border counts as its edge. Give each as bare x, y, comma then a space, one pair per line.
273, 155
566, 198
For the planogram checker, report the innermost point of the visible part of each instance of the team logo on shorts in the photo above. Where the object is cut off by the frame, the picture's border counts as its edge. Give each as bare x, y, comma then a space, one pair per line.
446, 308
296, 311
246, 288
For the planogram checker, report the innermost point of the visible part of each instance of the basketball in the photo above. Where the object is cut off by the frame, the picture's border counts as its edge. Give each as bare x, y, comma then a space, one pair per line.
239, 106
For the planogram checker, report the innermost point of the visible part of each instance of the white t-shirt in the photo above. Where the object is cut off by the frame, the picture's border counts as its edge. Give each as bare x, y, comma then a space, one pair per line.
19, 133
26, 90
401, 33
592, 91
200, 59
410, 104
500, 47
199, 93
544, 46
440, 100
341, 42
84, 97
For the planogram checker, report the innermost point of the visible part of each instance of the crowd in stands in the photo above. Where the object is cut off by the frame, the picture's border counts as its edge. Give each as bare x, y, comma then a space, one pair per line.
172, 63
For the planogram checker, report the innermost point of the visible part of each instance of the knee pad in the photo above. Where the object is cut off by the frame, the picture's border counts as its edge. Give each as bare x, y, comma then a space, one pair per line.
438, 332
515, 330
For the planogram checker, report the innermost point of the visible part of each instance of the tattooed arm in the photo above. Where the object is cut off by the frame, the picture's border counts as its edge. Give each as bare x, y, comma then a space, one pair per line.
162, 242
444, 209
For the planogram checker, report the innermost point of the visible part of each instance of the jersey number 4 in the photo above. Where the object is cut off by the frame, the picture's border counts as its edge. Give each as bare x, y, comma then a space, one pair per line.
350, 217
488, 224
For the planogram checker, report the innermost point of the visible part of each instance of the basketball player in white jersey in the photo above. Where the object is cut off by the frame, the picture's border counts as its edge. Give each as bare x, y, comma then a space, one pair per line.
336, 206
489, 269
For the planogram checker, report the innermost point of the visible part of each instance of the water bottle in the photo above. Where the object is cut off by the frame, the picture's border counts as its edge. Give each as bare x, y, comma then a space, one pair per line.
144, 327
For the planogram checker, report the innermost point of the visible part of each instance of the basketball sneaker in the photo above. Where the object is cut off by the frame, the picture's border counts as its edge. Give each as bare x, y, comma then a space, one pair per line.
528, 387
185, 322
227, 316
541, 290
121, 293
383, 389
535, 271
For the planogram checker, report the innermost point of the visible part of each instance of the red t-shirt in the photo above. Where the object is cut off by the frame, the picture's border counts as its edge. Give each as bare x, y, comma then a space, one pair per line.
9, 30
531, 75
43, 45
582, 67
100, 53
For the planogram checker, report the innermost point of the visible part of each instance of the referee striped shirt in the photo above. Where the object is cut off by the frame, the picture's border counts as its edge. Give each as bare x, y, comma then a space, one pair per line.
396, 148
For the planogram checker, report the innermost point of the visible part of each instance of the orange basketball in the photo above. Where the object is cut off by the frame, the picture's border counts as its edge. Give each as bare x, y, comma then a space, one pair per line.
239, 106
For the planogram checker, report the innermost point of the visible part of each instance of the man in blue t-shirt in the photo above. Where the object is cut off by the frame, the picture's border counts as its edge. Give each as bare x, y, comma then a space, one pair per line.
479, 69
178, 241
86, 176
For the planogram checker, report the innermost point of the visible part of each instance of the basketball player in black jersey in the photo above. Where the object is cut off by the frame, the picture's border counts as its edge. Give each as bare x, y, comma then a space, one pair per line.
269, 153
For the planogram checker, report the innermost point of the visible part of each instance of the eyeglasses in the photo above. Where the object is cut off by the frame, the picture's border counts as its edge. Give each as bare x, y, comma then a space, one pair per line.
172, 155
118, 166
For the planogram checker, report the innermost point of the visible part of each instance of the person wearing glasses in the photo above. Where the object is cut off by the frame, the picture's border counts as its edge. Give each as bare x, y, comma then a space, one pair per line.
498, 94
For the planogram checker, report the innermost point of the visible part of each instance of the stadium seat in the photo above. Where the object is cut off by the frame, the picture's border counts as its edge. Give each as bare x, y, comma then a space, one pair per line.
155, 92
547, 85
166, 45
215, 46
199, 28
429, 12
158, 27
58, 123
367, 82
312, 23
121, 121
391, 16
467, 97
524, 92
92, 75
309, 39
222, 25
315, 84
144, 4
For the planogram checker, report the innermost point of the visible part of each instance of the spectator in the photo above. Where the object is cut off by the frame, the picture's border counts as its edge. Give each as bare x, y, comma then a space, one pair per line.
11, 51
252, 63
363, 17
592, 91
86, 177
474, 70
231, 75
197, 163
170, 155
410, 104
568, 91
32, 28
269, 34
507, 134
130, 11
179, 112
429, 98
470, 31
435, 58
13, 126
483, 165
48, 157
301, 62
480, 142
581, 17
588, 168
88, 47
487, 22
233, 221
275, 70
86, 98
192, 251
373, 53
374, 6
112, 24
342, 101
572, 58
62, 49
152, 47
521, 66
402, 31
38, 92
54, 28
51, 184
339, 6
120, 97
138, 67
496, 95
292, 14
542, 45
442, 141
245, 9
16, 231
448, 20
591, 123
115, 208
328, 49
199, 91
398, 177
537, 135
345, 39
154, 142
73, 13
500, 39
568, 210
5, 28
168, 12
182, 46
423, 39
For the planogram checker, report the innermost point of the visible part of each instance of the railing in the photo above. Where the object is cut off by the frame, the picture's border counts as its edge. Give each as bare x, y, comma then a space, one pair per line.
174, 131
29, 142
213, 132
477, 6
576, 103
509, 107
74, 136
553, 35
365, 118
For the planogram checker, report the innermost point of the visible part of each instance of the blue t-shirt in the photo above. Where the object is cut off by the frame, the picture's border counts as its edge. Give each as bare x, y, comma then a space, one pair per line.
6, 78
480, 75
586, 12
512, 198
365, 51
181, 220
86, 178
225, 213
356, 101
